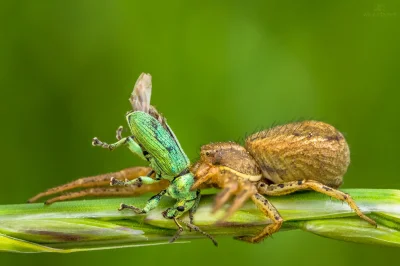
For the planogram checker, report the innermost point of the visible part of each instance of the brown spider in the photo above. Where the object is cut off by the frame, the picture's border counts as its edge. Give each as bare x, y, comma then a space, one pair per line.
274, 162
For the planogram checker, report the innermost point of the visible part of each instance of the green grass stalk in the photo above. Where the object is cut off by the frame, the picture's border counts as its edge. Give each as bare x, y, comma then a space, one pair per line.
97, 224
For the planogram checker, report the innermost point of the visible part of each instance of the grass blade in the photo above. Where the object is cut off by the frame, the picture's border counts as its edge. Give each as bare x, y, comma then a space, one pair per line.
96, 224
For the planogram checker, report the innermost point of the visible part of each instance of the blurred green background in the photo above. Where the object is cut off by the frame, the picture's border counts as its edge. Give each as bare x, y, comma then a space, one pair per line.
220, 70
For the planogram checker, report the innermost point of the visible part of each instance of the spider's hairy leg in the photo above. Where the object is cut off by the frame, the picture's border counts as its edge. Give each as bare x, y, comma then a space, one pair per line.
247, 190
94, 181
229, 189
293, 186
109, 192
269, 210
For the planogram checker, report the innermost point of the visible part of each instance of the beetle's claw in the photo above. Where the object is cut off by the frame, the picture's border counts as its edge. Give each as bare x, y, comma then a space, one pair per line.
96, 141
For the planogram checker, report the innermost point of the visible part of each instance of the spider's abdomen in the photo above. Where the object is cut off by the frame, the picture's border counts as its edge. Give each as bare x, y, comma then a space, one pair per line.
303, 150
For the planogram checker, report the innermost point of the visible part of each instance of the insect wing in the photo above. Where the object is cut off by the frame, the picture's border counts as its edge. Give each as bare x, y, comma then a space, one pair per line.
141, 94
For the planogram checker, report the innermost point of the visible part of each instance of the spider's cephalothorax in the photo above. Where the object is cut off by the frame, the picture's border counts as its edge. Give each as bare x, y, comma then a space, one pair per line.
277, 161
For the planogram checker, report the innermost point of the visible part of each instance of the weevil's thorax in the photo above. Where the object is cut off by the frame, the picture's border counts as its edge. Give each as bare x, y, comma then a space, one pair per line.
230, 156
180, 187
302, 150
158, 140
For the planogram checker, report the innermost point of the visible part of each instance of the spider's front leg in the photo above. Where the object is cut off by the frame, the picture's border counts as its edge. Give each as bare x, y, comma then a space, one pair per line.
231, 182
97, 186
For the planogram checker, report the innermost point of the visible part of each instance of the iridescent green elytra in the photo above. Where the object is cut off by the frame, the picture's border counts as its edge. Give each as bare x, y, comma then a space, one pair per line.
153, 140
166, 154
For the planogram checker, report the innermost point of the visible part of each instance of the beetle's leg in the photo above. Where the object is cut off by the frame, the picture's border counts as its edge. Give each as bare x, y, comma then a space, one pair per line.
180, 208
269, 210
146, 180
292, 186
118, 133
193, 210
112, 146
197, 229
94, 181
110, 192
178, 233
151, 204
247, 190
135, 148
130, 142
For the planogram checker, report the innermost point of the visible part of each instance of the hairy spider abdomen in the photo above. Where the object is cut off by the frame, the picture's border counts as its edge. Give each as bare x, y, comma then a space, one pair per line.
309, 150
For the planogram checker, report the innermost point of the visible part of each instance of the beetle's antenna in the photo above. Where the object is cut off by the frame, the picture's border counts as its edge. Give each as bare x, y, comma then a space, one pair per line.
141, 94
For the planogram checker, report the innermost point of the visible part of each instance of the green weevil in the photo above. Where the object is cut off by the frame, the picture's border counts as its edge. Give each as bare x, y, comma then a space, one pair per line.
153, 140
